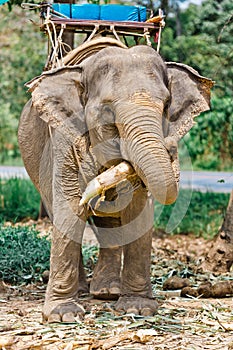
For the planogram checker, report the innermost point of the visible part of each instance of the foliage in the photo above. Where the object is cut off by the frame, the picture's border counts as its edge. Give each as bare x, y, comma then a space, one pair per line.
212, 136
23, 54
24, 256
98, 1
19, 2
202, 215
206, 44
8, 139
18, 200
90, 255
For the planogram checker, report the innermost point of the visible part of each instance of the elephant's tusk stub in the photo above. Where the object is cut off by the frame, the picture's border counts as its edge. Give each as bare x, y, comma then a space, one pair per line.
106, 180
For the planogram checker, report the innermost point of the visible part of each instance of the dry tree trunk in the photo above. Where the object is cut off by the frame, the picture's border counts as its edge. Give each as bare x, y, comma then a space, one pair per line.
220, 256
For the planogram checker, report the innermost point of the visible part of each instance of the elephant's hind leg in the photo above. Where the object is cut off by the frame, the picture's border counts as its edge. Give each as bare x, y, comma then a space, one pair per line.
105, 283
136, 291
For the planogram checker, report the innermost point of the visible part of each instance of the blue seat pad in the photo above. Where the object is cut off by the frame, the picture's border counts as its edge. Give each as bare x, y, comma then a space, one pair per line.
102, 12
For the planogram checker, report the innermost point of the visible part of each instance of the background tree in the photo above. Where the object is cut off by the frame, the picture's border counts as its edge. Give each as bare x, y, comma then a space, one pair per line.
206, 44
23, 53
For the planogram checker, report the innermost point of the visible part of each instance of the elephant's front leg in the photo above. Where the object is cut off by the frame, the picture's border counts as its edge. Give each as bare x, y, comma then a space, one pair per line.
61, 300
136, 292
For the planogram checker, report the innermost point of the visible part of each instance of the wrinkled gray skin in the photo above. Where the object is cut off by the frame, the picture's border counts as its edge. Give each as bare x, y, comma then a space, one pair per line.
119, 104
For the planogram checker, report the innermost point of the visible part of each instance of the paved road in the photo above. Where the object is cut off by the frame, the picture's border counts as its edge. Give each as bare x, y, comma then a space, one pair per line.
6, 172
197, 180
207, 181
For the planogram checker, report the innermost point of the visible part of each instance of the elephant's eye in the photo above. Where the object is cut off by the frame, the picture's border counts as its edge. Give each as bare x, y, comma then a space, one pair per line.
107, 113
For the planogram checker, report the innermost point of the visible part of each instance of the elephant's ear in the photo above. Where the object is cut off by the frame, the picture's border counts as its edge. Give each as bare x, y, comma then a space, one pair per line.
190, 95
56, 95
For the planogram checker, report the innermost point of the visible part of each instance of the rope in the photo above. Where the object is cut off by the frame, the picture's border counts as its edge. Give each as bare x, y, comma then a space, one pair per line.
161, 25
147, 37
112, 28
57, 44
159, 39
95, 30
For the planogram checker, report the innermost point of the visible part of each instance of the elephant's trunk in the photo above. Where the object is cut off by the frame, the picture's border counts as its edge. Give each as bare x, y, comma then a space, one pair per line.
140, 129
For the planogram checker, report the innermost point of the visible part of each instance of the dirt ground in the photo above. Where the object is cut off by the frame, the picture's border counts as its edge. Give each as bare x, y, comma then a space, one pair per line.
181, 323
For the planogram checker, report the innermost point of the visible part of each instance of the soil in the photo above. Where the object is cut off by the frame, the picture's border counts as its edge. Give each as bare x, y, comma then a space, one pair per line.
181, 323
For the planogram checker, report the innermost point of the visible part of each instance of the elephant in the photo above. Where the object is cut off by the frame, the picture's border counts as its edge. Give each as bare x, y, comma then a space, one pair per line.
116, 105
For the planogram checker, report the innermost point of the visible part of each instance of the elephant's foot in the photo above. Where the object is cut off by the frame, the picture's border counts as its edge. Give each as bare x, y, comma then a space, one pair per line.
63, 310
137, 305
105, 288
105, 283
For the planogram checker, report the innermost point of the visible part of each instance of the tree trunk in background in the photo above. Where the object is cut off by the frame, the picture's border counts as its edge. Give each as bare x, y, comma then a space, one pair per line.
178, 22
164, 6
220, 256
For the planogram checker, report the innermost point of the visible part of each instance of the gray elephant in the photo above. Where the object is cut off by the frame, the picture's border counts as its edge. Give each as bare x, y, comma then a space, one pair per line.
117, 105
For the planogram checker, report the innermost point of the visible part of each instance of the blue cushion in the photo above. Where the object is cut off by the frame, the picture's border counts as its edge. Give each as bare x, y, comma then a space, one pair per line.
123, 13
102, 12
84, 11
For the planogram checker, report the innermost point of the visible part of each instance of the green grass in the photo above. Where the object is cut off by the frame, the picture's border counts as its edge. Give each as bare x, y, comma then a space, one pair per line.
16, 161
194, 212
19, 200
23, 255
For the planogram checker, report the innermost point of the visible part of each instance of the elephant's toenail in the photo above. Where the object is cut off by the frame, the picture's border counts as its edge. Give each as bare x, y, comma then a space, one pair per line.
146, 311
114, 290
54, 318
132, 311
68, 317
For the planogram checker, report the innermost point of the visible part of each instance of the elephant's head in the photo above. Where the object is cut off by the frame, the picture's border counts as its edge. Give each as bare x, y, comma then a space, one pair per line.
131, 103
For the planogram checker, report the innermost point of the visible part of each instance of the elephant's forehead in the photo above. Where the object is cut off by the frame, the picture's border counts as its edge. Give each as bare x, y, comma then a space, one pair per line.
114, 55
143, 49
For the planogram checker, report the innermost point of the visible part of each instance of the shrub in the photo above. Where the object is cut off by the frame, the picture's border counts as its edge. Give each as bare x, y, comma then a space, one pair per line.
193, 212
18, 200
24, 256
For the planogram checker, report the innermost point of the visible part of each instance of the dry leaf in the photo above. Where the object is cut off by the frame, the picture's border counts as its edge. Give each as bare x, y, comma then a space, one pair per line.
69, 346
144, 335
110, 342
7, 341
60, 334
